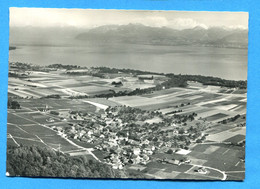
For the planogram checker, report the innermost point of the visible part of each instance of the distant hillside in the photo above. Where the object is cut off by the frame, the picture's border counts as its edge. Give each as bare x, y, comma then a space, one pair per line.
140, 34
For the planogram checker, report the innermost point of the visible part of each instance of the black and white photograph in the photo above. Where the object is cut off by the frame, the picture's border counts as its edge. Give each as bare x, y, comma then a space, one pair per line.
127, 94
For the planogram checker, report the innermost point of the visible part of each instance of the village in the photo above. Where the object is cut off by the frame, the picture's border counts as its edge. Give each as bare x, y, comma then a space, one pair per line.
129, 135
153, 130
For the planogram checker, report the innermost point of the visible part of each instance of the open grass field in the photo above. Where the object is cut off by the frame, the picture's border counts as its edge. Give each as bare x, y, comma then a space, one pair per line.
16, 119
162, 92
24, 82
173, 95
226, 161
224, 135
35, 134
156, 165
55, 140
91, 89
191, 94
100, 154
64, 82
206, 112
41, 92
29, 126
216, 116
83, 144
57, 104
155, 106
137, 167
83, 153
23, 93
222, 157
219, 128
135, 101
35, 117
236, 139
240, 91
104, 101
211, 174
18, 131
236, 175
186, 176
165, 174
10, 142
28, 142
148, 103
38, 130
169, 171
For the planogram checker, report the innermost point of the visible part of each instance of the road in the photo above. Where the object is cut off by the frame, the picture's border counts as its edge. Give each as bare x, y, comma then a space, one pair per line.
89, 150
212, 168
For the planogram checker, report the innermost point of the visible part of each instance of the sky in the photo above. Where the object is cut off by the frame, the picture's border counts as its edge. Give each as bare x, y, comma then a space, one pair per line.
90, 18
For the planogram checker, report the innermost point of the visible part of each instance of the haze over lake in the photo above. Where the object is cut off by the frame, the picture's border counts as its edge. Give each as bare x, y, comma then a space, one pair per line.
179, 42
227, 63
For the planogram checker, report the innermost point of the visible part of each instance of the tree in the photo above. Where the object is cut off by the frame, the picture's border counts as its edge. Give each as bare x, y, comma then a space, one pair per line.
23, 161
13, 104
181, 131
169, 151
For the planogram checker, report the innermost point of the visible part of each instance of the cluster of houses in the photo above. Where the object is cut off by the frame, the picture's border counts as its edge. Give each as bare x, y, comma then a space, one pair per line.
123, 143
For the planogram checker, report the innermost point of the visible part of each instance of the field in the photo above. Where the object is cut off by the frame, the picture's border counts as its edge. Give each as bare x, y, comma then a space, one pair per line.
208, 105
104, 101
30, 127
216, 116
30, 133
135, 101
236, 139
222, 157
219, 153
224, 135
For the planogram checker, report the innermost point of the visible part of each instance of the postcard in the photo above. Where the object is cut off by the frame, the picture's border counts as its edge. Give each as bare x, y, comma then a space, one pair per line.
127, 94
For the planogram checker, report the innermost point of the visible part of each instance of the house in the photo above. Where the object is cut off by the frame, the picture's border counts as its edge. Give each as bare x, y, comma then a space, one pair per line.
136, 151
82, 132
145, 157
173, 161
90, 133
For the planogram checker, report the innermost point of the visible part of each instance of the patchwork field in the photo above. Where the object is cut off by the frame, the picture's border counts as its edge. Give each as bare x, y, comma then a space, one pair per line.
104, 101
224, 158
219, 153
224, 135
135, 101
34, 133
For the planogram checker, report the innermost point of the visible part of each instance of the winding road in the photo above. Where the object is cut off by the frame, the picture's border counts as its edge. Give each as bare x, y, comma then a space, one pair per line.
211, 168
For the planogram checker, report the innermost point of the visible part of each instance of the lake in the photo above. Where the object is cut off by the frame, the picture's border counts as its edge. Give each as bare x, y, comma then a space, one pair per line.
227, 63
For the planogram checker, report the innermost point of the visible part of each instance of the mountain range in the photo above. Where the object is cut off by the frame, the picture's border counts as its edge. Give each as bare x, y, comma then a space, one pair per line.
140, 34
131, 33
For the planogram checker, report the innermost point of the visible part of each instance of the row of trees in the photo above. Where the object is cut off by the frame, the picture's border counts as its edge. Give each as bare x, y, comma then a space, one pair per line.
180, 80
209, 80
231, 119
62, 66
52, 96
